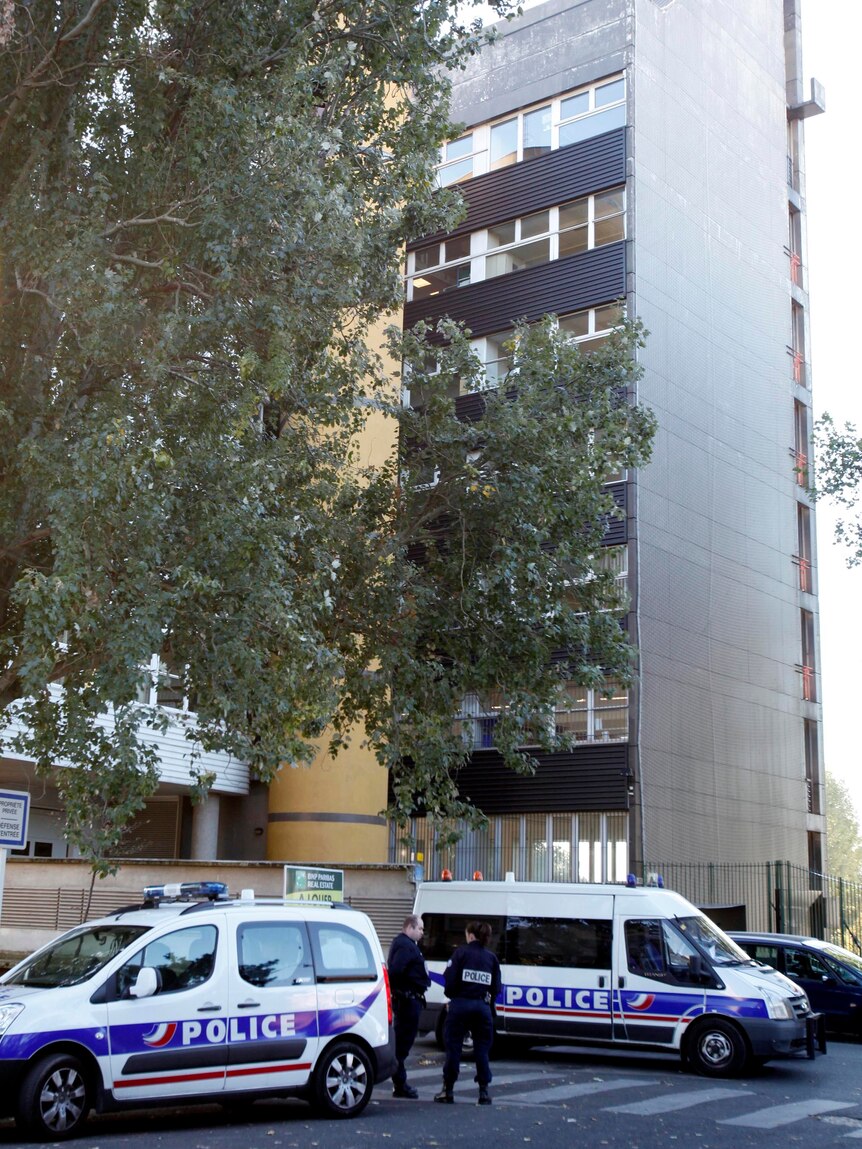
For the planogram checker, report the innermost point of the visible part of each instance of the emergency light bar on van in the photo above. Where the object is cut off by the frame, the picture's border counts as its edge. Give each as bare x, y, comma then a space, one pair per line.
182, 891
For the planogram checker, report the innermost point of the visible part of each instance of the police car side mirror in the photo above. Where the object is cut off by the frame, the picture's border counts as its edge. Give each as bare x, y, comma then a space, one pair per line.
146, 983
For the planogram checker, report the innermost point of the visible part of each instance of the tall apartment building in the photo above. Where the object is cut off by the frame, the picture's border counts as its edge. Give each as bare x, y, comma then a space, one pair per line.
651, 151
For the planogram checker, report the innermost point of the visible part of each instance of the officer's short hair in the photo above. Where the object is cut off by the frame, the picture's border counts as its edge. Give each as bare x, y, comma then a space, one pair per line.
481, 931
411, 920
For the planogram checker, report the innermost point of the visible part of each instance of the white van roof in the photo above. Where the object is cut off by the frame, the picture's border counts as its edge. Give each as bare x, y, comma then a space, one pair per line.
478, 897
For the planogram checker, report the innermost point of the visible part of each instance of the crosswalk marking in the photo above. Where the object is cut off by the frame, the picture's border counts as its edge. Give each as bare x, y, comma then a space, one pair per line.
777, 1115
668, 1102
568, 1092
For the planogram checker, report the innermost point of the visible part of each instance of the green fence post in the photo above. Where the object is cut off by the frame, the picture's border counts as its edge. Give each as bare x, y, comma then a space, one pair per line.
779, 899
841, 913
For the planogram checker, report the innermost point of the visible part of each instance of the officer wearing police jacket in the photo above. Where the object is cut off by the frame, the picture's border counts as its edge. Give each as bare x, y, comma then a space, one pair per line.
472, 982
408, 980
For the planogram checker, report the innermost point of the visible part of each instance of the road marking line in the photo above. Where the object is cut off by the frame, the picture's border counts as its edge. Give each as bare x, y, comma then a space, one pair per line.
669, 1102
785, 1114
583, 1089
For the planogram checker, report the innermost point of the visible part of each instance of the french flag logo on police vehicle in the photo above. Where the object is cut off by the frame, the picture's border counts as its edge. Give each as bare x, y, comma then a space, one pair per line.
640, 1001
161, 1034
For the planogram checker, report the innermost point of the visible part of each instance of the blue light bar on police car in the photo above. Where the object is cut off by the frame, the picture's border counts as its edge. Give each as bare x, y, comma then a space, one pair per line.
175, 891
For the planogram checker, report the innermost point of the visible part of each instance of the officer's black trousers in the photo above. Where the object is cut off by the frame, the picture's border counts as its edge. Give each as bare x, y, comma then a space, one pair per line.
474, 1015
407, 1010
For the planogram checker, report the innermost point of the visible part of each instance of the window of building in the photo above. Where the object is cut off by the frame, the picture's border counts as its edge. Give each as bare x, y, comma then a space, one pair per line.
582, 712
812, 766
164, 687
797, 344
808, 668
794, 245
554, 847
800, 449
803, 556
513, 245
575, 115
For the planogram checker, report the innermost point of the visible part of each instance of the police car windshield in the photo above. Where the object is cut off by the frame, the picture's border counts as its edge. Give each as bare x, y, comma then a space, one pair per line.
75, 957
716, 946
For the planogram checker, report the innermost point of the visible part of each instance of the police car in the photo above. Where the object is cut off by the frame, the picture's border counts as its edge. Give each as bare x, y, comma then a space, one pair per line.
192, 997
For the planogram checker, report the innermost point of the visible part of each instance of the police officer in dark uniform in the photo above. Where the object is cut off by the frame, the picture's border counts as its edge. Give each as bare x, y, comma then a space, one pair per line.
472, 982
408, 980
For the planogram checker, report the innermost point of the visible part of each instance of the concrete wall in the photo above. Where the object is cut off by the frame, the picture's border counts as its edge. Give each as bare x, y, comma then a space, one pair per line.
43, 898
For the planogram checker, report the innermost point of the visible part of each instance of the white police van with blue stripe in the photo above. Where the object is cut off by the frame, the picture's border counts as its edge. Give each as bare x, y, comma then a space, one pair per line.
196, 1000
638, 967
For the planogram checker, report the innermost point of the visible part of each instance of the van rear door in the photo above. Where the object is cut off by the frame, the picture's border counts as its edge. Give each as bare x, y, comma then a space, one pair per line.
557, 973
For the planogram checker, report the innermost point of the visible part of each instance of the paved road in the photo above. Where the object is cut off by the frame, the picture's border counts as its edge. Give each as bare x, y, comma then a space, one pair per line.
555, 1099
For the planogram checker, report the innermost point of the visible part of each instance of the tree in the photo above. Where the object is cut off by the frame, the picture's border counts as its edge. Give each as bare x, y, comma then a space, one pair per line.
843, 832
202, 214
495, 528
839, 477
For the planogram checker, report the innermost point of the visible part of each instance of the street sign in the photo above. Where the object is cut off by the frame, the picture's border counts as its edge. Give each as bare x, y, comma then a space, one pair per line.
313, 884
14, 818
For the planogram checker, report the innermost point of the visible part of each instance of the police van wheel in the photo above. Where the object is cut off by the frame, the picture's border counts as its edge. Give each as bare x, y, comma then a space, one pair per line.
55, 1098
717, 1049
344, 1080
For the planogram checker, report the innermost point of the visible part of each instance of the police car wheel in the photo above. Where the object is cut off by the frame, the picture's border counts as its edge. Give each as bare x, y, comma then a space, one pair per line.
344, 1080
55, 1098
717, 1049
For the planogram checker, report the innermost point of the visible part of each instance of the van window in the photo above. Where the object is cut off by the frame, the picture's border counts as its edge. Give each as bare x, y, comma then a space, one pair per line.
340, 953
574, 943
183, 959
445, 932
273, 954
656, 950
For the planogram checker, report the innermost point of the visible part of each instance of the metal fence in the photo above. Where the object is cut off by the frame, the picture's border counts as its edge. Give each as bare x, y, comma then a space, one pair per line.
778, 897
774, 897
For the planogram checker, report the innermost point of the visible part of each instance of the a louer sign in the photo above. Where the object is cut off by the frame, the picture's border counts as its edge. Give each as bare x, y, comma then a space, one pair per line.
313, 884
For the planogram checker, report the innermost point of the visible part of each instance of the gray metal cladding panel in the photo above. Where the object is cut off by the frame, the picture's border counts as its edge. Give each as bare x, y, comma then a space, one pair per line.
579, 169
584, 280
591, 777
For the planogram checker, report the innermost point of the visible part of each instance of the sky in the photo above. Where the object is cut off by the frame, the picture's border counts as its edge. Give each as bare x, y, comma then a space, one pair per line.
831, 36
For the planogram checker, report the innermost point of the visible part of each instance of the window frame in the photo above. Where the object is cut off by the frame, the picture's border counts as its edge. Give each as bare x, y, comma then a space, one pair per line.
481, 252
480, 135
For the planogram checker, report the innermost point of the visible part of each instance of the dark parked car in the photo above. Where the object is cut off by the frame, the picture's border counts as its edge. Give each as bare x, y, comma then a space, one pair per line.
830, 975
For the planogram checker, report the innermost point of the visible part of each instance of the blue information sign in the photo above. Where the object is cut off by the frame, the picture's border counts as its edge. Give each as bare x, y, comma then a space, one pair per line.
14, 816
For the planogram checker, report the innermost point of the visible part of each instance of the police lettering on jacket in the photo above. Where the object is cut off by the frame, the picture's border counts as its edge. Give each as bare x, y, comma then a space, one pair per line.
472, 972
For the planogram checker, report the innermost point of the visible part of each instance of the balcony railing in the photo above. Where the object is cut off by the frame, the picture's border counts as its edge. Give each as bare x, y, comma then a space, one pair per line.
809, 685
806, 579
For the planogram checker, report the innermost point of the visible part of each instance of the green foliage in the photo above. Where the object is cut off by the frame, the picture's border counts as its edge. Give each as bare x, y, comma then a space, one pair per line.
839, 478
843, 833
495, 526
202, 213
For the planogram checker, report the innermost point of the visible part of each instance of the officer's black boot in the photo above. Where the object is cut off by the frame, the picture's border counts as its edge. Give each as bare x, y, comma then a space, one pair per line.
446, 1096
484, 1095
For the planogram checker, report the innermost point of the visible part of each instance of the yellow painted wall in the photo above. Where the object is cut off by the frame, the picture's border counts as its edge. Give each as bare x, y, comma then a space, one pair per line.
330, 811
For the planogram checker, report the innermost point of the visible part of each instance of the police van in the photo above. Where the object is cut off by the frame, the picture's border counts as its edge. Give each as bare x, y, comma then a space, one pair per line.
196, 997
629, 966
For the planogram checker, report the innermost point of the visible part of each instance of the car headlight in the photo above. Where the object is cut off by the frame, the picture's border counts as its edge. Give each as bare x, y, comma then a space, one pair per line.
779, 1007
8, 1013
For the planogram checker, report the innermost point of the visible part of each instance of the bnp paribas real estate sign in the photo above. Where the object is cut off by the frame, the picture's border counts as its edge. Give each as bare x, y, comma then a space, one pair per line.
313, 884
